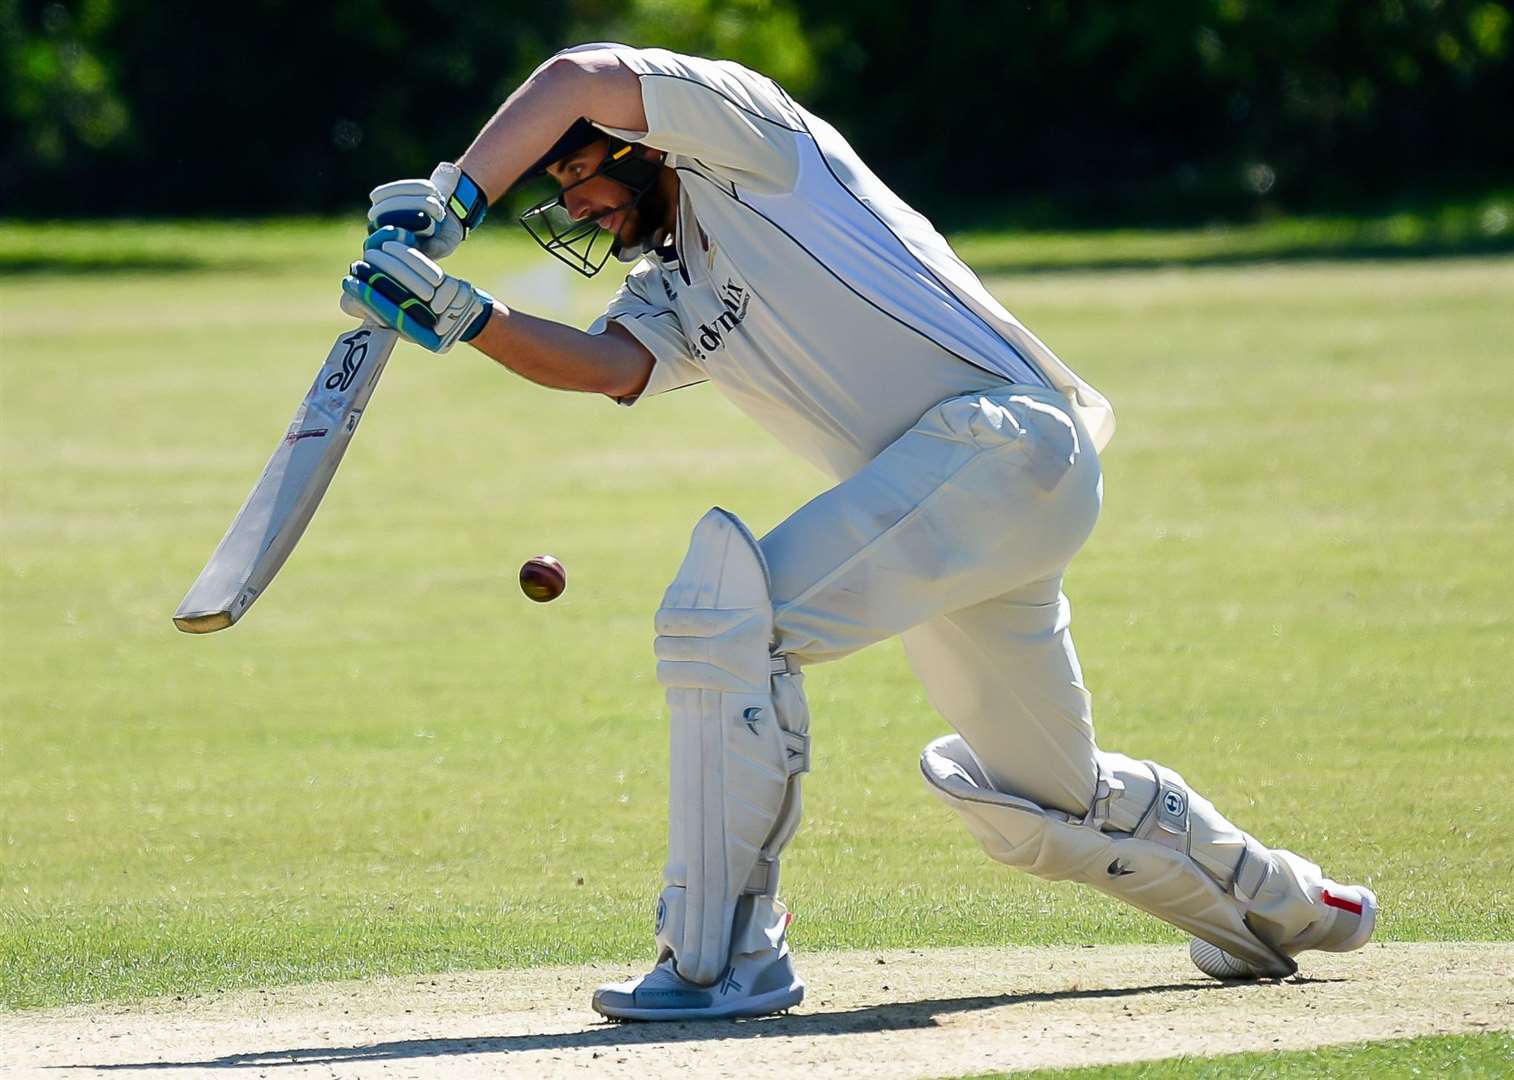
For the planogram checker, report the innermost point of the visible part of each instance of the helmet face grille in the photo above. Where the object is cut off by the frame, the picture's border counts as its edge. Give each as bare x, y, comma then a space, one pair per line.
582, 244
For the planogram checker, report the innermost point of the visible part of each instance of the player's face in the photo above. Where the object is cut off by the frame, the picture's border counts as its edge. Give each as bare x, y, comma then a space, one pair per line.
599, 197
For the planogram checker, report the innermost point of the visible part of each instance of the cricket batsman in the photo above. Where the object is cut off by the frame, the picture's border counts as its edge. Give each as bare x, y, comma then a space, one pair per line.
771, 262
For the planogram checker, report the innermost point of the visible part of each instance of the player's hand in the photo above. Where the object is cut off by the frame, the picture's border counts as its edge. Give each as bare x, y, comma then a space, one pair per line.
400, 287
440, 212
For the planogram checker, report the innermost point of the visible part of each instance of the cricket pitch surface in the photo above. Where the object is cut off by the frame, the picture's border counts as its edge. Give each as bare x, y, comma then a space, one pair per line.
896, 1014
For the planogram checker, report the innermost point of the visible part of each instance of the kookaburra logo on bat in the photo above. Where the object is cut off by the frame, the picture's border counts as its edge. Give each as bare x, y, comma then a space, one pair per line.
357, 352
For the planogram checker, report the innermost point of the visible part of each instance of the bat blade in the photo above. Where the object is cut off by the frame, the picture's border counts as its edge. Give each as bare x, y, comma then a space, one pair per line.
286, 496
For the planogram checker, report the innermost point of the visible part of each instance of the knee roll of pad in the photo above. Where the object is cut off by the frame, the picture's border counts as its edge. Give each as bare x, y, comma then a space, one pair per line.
739, 742
1146, 865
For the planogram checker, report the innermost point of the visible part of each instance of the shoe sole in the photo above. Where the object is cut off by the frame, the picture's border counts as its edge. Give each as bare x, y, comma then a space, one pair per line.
1219, 964
762, 1005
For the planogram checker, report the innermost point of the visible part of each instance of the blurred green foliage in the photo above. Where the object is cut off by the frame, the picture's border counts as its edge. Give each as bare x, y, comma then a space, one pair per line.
54, 86
1097, 108
767, 35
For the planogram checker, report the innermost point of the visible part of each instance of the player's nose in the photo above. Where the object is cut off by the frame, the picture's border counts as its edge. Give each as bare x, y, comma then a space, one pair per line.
577, 205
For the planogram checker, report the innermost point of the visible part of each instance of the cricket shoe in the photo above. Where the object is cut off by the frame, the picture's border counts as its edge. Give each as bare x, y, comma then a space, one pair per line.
754, 984
1347, 917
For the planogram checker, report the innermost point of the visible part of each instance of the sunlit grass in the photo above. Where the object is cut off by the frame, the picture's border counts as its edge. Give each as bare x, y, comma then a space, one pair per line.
1462, 1057
1298, 596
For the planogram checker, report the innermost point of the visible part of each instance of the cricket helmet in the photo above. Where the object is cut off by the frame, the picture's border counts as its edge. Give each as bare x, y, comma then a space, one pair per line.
582, 244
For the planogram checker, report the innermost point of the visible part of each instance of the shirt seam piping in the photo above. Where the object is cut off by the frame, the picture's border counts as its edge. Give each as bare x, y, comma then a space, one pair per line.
868, 300
727, 98
939, 283
657, 360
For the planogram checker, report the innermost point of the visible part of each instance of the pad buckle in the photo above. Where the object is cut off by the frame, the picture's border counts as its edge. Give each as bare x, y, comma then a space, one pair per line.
783, 664
796, 749
1166, 819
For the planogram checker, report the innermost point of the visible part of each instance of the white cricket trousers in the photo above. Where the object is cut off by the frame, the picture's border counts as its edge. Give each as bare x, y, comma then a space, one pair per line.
956, 536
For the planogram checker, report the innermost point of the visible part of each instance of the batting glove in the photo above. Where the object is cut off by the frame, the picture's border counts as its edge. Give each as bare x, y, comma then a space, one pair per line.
440, 212
403, 289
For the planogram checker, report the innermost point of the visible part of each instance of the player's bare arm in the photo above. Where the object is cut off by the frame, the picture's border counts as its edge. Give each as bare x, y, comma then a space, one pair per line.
548, 353
444, 208
593, 85
608, 190
395, 283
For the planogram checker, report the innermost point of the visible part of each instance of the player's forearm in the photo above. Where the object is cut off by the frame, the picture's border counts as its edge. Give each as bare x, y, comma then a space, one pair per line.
564, 358
593, 85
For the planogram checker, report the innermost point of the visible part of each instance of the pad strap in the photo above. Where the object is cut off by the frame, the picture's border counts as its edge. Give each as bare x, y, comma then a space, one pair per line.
1166, 819
1251, 872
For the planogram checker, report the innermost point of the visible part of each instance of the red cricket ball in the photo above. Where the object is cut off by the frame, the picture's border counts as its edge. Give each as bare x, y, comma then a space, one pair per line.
542, 578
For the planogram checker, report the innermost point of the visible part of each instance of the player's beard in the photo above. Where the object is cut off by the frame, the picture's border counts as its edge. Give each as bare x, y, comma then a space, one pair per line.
645, 226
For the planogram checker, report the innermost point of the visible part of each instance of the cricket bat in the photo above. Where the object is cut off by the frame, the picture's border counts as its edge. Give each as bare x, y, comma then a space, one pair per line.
285, 497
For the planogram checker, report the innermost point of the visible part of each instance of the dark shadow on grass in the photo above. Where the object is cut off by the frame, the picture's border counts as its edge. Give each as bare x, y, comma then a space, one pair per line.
986, 263
69, 266
898, 1016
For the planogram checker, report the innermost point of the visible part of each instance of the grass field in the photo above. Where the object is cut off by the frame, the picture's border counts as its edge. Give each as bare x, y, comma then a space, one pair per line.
1455, 1057
1299, 596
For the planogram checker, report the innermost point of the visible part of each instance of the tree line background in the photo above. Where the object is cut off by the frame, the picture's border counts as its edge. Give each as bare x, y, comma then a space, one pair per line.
1102, 110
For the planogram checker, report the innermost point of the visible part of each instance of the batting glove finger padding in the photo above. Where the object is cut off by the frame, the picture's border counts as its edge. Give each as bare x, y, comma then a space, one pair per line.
413, 205
402, 288
441, 211
409, 267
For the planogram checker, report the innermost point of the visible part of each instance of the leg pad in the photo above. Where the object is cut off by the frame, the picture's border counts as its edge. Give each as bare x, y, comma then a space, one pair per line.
740, 740
1149, 868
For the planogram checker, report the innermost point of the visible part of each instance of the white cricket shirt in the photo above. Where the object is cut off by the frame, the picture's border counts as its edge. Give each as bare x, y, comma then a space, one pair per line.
810, 294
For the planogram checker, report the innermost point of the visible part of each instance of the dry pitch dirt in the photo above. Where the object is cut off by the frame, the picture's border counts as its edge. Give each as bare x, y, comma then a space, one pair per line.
926, 1013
